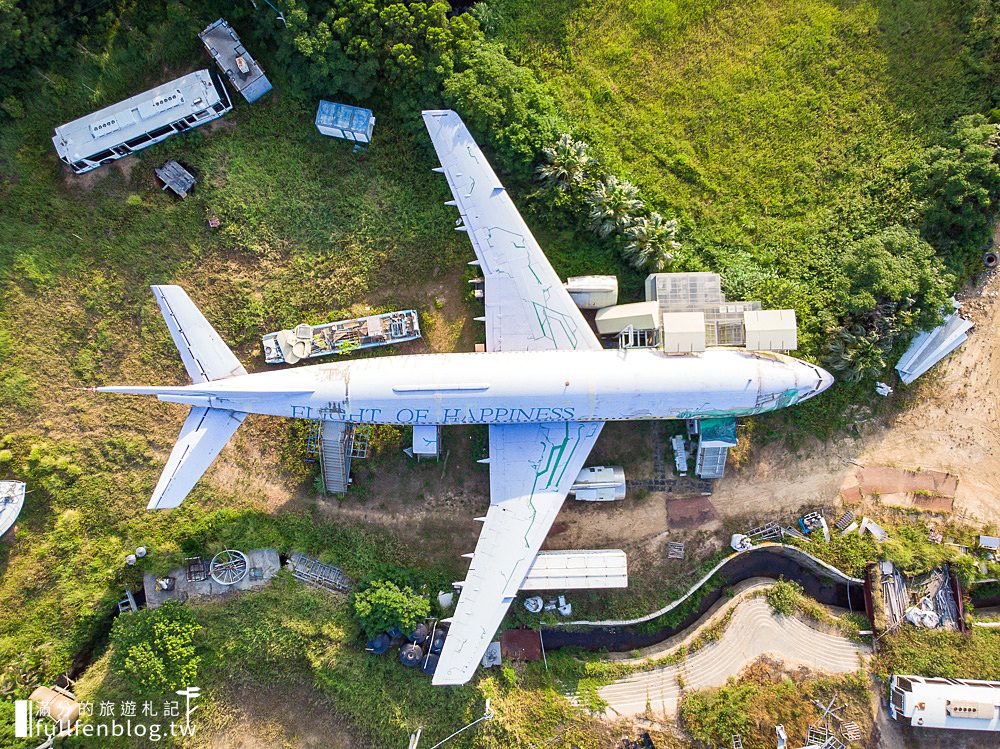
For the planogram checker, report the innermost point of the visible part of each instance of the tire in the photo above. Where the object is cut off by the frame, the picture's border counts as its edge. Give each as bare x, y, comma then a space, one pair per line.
990, 259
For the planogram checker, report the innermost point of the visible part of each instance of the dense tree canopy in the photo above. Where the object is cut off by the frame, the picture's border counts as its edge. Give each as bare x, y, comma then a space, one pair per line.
892, 285
360, 48
959, 182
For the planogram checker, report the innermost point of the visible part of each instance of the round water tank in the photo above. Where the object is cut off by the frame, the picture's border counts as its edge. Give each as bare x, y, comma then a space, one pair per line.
140, 552
430, 665
130, 559
379, 643
395, 632
410, 655
419, 634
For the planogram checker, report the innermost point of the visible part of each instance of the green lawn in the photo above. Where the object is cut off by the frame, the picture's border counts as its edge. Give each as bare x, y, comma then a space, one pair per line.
775, 128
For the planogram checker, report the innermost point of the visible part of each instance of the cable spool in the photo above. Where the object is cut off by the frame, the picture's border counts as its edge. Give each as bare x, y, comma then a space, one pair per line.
419, 634
410, 655
991, 259
438, 642
228, 567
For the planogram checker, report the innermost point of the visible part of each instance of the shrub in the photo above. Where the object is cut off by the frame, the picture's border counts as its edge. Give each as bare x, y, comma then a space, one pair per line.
507, 104
713, 716
384, 605
565, 165
154, 650
893, 285
784, 596
357, 47
651, 242
614, 204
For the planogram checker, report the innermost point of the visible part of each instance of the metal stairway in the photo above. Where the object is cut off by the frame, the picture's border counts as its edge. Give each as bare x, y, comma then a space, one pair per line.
335, 455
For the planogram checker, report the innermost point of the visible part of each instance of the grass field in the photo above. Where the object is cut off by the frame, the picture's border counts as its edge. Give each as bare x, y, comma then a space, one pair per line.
776, 130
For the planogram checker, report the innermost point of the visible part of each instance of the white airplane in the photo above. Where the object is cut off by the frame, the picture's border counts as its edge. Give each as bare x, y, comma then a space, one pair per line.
545, 386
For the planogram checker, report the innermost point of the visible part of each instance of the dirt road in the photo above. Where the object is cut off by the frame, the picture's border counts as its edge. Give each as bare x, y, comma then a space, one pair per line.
950, 426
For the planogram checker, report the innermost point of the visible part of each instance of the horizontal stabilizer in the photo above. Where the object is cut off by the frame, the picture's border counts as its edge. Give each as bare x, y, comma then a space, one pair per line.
204, 434
206, 357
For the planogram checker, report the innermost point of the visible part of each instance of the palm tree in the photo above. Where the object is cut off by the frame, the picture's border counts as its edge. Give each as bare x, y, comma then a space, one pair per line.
651, 242
613, 205
566, 163
855, 353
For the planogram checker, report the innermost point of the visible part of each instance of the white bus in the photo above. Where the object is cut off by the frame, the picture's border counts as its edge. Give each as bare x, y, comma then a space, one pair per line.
967, 704
147, 118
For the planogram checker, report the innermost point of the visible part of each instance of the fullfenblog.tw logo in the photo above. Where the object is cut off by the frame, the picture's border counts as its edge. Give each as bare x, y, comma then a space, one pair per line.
114, 720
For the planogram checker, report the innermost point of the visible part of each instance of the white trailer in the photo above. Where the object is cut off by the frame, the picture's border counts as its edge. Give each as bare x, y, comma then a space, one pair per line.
966, 704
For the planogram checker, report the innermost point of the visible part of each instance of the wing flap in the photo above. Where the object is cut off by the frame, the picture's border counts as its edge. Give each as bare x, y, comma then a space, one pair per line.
205, 355
532, 467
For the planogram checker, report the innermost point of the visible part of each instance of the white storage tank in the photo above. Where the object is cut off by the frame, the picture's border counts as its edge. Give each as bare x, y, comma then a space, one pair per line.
593, 292
639, 315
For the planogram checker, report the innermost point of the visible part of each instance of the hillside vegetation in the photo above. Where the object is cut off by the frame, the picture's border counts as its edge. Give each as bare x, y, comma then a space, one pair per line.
785, 137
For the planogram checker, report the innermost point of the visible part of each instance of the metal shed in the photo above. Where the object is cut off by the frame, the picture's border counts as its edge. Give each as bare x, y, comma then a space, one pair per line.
771, 330
243, 71
639, 315
344, 121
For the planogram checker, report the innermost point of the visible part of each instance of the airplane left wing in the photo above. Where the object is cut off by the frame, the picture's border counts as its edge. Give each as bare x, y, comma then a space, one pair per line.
527, 306
532, 467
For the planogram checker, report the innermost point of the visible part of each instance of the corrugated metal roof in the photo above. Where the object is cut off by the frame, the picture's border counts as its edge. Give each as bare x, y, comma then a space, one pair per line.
225, 47
930, 347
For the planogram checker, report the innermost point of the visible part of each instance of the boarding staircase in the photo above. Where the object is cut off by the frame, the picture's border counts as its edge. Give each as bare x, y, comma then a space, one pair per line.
335, 449
312, 571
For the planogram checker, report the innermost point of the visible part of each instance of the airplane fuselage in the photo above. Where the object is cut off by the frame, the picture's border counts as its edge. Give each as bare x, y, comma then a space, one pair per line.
521, 387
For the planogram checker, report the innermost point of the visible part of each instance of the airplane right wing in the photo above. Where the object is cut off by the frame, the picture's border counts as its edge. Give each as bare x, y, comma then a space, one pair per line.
532, 467
527, 306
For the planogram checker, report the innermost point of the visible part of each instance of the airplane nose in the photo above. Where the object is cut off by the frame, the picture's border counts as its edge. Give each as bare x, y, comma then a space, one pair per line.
825, 379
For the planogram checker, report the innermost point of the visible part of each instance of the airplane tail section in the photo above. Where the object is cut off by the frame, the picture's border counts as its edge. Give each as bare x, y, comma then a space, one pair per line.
204, 434
207, 430
206, 357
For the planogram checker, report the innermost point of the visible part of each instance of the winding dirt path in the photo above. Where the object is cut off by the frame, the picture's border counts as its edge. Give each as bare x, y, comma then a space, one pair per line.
753, 631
